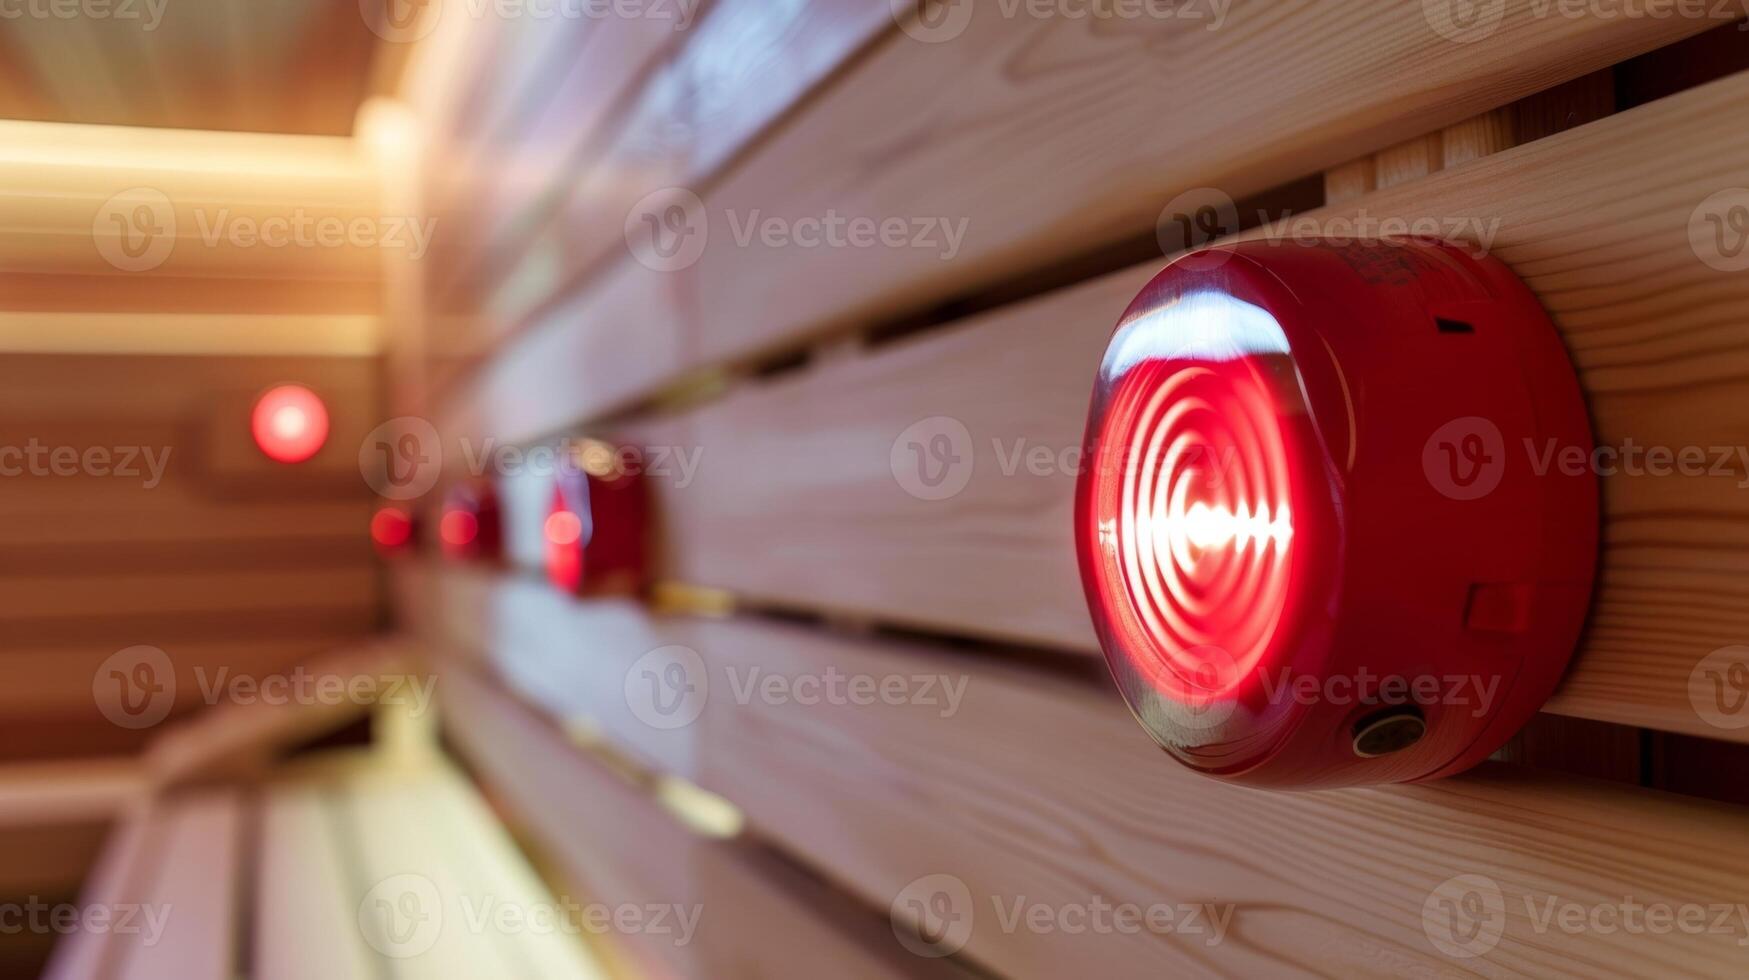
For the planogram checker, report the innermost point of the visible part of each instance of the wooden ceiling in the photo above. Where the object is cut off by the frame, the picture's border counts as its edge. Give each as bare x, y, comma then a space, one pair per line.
279, 66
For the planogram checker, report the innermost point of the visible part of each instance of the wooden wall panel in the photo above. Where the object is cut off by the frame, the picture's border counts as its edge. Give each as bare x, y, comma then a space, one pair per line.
1033, 785
1138, 111
212, 552
808, 471
753, 918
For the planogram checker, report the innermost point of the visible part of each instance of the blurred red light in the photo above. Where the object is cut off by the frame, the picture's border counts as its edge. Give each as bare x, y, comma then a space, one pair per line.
290, 424
459, 528
391, 528
564, 528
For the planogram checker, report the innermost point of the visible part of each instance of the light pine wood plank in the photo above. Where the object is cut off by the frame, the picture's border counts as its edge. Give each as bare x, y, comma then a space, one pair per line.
1038, 786
194, 889
802, 471
122, 875
306, 923
709, 97
1139, 111
764, 919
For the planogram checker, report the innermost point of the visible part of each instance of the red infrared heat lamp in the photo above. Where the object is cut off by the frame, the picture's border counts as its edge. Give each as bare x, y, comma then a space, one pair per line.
471, 528
1316, 541
597, 530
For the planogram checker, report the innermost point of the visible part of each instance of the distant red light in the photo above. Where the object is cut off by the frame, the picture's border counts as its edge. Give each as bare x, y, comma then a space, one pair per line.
459, 528
391, 528
290, 424
564, 528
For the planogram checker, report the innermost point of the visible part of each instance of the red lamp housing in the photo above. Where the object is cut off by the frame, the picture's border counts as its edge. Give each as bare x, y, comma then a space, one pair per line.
471, 528
597, 529
1316, 539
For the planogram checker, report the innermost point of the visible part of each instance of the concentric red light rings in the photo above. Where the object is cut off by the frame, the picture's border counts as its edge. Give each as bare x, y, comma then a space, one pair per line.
1193, 510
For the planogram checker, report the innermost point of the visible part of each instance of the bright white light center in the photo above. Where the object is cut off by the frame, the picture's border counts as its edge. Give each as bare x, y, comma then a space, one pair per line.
289, 422
1208, 527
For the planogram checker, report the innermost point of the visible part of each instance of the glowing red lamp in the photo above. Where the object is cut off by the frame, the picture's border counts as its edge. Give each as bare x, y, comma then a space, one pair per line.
1315, 541
394, 531
290, 424
470, 528
596, 532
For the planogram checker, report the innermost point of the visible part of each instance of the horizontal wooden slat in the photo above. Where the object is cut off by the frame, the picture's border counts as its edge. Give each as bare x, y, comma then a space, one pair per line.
809, 472
71, 190
1038, 786
68, 792
1138, 111
612, 838
740, 68
60, 679
421, 845
232, 739
123, 594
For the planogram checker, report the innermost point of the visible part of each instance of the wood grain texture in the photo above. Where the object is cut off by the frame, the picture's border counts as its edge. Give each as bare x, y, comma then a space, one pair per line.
741, 67
1139, 111
1041, 787
754, 916
805, 471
